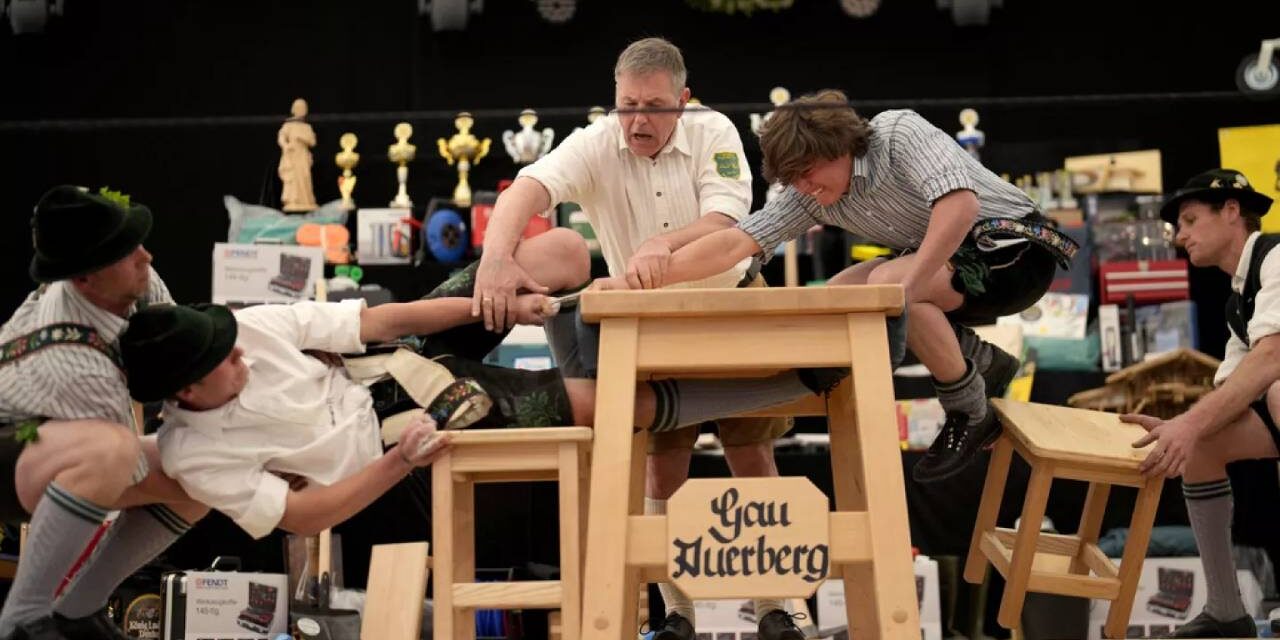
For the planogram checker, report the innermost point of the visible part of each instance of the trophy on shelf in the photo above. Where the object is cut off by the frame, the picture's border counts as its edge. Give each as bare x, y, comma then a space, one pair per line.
593, 114
529, 144
1044, 189
778, 96
464, 149
970, 136
402, 153
347, 159
1065, 198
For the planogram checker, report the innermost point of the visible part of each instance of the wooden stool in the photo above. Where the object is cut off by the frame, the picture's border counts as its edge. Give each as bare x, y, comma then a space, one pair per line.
555, 454
743, 332
1076, 444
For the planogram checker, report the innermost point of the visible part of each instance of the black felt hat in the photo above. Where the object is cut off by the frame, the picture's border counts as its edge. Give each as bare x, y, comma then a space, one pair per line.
76, 232
168, 347
1216, 184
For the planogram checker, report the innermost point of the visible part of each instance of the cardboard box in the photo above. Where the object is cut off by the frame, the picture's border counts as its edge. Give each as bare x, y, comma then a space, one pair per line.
1171, 591
229, 606
831, 611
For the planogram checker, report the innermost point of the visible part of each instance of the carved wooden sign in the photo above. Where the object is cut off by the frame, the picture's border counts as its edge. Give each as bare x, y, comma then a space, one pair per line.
748, 537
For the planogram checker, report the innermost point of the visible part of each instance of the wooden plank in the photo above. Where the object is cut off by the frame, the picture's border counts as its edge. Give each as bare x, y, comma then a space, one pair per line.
570, 541
495, 477
1018, 576
850, 537
1067, 584
507, 456
1095, 505
1052, 543
464, 552
1135, 551
975, 566
776, 342
999, 555
1092, 438
1126, 478
1098, 562
880, 597
396, 589
757, 302
647, 541
532, 594
466, 437
442, 533
604, 573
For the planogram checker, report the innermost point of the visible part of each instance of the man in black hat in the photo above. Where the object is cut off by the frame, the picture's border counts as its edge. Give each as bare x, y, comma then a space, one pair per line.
67, 432
1219, 218
248, 405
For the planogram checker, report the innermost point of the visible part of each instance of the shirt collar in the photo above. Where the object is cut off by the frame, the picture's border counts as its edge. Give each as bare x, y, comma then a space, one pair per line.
679, 140
1242, 269
209, 422
108, 325
861, 167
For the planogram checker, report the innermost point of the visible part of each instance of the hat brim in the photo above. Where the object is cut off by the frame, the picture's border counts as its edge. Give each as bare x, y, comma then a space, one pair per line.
136, 227
1251, 200
220, 345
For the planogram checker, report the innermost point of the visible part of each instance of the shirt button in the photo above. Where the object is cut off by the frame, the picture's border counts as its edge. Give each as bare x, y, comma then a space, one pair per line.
665, 225
659, 194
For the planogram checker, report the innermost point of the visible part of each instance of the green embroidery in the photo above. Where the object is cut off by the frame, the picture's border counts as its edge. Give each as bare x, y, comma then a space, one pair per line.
973, 272
27, 431
535, 410
727, 164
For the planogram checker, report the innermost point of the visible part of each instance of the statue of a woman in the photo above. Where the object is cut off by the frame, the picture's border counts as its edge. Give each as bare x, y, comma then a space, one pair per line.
296, 139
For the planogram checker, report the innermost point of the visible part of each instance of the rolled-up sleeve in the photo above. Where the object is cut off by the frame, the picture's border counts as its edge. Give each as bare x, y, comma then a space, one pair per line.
786, 217
323, 326
724, 179
566, 172
232, 482
930, 159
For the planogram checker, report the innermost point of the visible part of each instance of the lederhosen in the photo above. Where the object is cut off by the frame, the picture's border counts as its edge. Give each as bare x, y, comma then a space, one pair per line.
14, 436
1240, 311
1002, 281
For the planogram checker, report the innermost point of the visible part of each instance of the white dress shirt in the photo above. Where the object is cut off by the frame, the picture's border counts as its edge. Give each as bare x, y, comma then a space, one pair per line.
1266, 307
295, 415
629, 199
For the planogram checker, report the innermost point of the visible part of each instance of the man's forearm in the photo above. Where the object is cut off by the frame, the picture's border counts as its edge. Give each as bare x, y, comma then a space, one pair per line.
711, 254
315, 508
1259, 369
706, 225
515, 206
422, 317
952, 217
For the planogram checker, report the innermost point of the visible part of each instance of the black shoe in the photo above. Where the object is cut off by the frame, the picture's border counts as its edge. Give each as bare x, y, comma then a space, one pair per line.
956, 446
520, 398
779, 625
674, 627
1206, 626
42, 628
822, 380
96, 626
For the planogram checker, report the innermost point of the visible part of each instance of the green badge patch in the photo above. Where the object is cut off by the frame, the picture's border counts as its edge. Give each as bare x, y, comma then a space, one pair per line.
727, 164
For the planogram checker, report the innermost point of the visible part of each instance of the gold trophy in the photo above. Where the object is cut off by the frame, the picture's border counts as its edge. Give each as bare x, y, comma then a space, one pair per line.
347, 159
464, 149
402, 153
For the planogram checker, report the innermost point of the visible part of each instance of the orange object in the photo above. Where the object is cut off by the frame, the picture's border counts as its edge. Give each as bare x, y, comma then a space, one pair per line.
333, 238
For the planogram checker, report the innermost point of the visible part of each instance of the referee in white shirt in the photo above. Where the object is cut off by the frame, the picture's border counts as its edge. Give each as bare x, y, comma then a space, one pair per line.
650, 182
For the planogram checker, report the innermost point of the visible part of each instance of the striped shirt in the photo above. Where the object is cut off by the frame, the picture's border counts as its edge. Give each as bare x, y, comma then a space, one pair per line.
68, 382
909, 164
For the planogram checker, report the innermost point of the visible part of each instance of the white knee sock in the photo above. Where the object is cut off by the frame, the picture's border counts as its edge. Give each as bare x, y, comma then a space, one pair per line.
675, 600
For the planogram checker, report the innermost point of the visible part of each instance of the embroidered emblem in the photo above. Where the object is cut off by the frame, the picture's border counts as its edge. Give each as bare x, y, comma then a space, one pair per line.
727, 164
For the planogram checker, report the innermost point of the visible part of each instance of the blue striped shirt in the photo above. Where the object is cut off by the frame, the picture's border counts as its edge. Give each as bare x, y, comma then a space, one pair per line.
909, 164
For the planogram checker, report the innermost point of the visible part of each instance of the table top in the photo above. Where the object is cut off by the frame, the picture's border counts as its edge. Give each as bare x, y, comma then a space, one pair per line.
676, 303
1073, 435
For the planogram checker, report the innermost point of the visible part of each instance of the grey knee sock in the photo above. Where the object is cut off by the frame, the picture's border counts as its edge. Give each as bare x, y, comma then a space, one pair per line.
683, 403
60, 528
137, 536
968, 395
1209, 506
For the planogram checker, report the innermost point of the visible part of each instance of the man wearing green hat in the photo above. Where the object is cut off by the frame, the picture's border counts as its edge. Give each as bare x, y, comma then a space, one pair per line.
67, 433
1219, 220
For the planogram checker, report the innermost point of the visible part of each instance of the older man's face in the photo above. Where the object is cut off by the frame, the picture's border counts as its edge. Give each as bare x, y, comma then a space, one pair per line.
648, 133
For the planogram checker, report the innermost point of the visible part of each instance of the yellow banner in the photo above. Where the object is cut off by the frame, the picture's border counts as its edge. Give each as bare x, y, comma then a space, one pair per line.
1255, 152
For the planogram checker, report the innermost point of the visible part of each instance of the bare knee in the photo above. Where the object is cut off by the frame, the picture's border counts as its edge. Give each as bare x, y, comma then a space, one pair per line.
558, 258
666, 471
881, 275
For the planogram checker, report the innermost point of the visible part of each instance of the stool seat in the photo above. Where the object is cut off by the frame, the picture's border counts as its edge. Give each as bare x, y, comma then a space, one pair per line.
1077, 444
544, 454
1073, 435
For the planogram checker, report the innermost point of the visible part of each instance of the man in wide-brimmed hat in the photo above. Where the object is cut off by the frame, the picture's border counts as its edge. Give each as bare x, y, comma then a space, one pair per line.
1219, 219
68, 440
